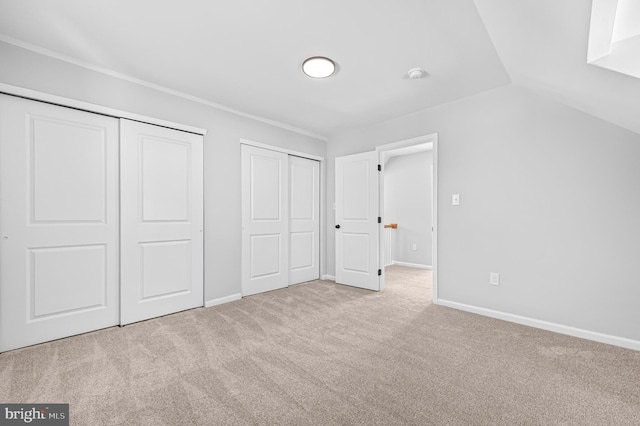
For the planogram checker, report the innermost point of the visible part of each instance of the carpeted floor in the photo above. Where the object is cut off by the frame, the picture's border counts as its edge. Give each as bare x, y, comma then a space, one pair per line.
325, 354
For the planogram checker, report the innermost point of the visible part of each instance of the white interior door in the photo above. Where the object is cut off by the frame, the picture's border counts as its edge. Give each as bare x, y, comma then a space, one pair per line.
161, 221
304, 212
58, 222
357, 227
265, 199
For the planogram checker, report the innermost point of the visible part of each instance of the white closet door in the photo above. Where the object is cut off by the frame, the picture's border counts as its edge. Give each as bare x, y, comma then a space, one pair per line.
304, 229
265, 201
58, 222
161, 221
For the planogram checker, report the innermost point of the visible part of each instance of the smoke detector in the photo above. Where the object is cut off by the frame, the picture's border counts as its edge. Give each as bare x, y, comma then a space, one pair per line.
416, 73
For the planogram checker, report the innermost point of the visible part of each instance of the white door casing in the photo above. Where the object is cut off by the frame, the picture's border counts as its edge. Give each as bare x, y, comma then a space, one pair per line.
265, 219
161, 221
304, 220
357, 228
58, 222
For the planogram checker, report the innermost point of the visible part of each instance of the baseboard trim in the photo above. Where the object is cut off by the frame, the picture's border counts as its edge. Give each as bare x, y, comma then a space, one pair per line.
411, 265
546, 325
222, 300
328, 277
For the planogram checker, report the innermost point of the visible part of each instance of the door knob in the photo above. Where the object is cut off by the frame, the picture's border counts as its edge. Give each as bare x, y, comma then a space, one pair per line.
337, 226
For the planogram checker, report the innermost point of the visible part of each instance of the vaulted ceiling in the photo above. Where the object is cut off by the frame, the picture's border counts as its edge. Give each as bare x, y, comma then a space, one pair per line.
246, 54
543, 45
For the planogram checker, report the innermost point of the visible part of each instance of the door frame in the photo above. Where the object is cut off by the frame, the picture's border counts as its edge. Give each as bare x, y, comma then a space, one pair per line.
322, 194
431, 139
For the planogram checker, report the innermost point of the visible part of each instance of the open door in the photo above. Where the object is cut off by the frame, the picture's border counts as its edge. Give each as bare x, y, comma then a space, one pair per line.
357, 227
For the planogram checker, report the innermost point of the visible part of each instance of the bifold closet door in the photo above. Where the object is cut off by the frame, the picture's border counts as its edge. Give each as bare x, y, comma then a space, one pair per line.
265, 221
161, 174
304, 212
58, 222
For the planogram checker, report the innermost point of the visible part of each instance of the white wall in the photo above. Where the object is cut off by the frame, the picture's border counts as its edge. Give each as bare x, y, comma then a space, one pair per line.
221, 145
549, 199
407, 202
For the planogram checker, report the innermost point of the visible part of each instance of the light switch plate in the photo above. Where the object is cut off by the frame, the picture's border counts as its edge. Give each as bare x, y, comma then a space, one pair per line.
455, 199
494, 278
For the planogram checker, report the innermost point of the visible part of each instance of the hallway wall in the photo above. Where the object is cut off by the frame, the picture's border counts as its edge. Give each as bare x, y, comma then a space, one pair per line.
407, 202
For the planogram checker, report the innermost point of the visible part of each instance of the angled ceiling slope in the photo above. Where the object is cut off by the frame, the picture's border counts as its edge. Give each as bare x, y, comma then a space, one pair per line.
247, 54
544, 46
614, 36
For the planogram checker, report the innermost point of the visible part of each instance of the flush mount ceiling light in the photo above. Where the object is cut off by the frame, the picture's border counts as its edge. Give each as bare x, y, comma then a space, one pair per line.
318, 67
416, 73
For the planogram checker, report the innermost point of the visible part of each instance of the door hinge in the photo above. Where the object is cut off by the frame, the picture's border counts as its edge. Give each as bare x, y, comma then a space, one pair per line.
379, 272
379, 219
379, 168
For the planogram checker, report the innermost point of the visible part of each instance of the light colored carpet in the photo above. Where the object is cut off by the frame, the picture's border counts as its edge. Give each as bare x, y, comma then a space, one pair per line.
324, 354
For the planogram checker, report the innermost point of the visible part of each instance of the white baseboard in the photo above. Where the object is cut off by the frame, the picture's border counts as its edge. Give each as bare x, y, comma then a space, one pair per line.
545, 325
411, 265
222, 300
328, 277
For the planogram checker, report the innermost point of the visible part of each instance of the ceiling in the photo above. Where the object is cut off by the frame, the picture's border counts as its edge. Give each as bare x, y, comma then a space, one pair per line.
246, 54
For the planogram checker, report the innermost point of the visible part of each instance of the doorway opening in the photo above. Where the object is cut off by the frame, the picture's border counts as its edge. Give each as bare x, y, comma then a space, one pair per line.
409, 178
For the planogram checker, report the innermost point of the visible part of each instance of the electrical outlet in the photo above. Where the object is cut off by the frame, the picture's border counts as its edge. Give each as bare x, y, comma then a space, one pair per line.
494, 278
414, 247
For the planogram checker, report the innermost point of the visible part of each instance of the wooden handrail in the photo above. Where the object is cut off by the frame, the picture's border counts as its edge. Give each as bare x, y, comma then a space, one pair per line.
392, 226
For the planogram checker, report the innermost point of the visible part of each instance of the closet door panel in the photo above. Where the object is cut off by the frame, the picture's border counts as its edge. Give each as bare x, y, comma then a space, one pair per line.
58, 221
304, 228
265, 220
162, 221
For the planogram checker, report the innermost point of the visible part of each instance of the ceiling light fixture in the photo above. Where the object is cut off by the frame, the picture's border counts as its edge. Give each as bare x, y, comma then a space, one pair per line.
319, 67
416, 73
